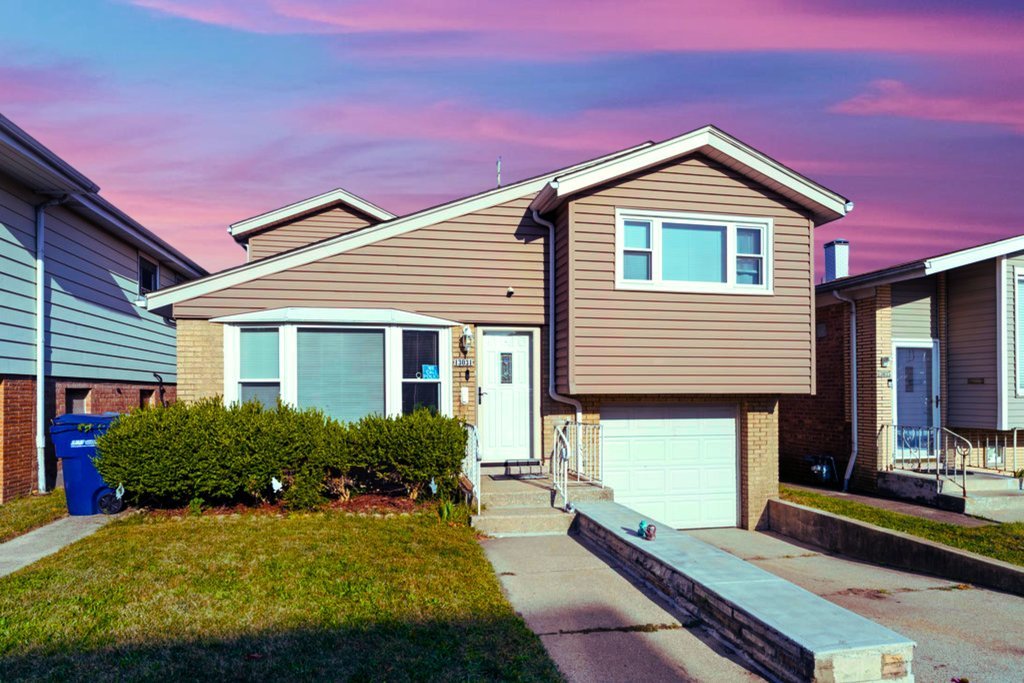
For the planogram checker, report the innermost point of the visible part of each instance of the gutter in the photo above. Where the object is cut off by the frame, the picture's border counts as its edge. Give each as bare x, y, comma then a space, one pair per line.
41, 338
552, 391
853, 388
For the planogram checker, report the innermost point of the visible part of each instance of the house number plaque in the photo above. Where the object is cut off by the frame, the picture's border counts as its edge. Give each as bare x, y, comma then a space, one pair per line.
463, 362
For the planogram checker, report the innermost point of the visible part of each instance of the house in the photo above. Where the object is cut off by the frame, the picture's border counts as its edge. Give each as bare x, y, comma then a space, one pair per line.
933, 344
660, 296
73, 337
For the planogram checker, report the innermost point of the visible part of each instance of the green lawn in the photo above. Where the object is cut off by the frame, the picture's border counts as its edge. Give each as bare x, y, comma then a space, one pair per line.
25, 514
321, 596
1001, 541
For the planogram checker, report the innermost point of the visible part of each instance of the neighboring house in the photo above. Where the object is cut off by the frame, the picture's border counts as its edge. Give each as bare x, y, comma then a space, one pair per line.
937, 366
678, 277
70, 312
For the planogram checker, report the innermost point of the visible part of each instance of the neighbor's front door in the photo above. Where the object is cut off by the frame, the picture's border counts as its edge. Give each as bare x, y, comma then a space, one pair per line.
916, 399
505, 395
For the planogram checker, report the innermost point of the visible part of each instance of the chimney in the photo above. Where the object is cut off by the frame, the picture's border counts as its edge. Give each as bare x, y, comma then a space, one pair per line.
837, 260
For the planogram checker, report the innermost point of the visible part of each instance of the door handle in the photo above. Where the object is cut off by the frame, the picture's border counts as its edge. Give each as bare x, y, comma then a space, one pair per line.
480, 395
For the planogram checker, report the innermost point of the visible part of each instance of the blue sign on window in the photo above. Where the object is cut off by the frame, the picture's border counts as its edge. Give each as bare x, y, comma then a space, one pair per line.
430, 372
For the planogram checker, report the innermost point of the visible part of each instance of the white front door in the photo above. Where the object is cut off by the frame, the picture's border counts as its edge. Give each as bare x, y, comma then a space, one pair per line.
675, 464
505, 377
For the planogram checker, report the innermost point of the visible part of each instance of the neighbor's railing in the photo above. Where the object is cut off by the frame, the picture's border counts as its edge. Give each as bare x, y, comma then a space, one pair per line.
927, 450
471, 464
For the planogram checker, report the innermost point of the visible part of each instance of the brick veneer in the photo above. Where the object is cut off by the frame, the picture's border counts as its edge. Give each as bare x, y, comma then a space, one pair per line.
200, 359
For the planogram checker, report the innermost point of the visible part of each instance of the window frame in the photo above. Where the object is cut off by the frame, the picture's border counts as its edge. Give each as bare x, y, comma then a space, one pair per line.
156, 273
729, 222
239, 380
1018, 331
288, 361
419, 380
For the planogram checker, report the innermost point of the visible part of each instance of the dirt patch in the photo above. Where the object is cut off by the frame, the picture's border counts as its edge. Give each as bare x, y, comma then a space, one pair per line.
869, 593
365, 504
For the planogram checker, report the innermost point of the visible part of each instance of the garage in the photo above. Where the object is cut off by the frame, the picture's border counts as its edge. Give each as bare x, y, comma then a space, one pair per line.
673, 463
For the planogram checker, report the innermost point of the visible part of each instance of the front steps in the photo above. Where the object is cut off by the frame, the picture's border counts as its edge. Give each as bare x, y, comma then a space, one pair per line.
522, 507
992, 496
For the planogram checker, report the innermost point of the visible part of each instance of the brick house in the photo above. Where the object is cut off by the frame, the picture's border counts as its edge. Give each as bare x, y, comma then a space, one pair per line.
73, 337
937, 367
651, 306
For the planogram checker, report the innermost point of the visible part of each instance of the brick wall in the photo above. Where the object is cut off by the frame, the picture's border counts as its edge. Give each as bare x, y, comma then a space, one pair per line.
464, 377
118, 397
17, 437
874, 395
200, 359
820, 424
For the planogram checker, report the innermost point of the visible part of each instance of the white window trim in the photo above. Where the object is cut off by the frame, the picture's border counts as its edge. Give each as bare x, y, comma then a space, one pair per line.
1018, 329
656, 284
288, 358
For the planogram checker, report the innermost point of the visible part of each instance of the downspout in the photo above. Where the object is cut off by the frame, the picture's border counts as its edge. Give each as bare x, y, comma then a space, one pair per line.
853, 387
41, 339
552, 391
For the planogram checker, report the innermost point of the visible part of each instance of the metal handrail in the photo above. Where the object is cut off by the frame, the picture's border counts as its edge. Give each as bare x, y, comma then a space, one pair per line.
922, 449
560, 466
584, 442
471, 463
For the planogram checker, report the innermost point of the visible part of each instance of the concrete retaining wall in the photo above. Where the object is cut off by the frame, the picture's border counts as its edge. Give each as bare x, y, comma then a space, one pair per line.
864, 541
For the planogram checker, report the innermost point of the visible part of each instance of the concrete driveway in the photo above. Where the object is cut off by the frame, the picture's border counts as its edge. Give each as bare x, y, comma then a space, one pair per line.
960, 631
597, 625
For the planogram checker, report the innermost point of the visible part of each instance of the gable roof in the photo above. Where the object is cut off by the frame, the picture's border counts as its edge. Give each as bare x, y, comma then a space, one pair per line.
310, 205
823, 203
931, 265
374, 233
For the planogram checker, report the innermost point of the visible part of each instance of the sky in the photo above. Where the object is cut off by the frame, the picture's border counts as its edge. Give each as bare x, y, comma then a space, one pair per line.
194, 114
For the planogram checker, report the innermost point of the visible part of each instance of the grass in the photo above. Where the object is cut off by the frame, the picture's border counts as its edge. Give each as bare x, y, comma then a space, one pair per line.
25, 514
318, 596
1000, 541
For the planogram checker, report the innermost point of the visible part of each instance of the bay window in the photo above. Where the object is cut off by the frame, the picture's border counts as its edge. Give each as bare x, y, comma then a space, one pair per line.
340, 371
663, 251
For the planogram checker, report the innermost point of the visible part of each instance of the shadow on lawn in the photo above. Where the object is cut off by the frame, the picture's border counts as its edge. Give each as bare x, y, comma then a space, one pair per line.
496, 649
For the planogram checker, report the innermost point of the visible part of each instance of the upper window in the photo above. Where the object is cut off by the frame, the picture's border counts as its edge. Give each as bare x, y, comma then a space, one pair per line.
692, 252
149, 275
259, 373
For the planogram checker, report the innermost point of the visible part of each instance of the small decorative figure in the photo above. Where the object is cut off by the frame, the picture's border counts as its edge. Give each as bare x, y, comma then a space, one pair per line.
650, 531
641, 532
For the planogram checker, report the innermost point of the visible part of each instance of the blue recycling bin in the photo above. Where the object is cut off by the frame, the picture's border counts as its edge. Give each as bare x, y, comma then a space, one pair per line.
74, 438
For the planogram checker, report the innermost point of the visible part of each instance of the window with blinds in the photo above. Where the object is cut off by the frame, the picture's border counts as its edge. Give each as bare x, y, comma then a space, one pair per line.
341, 372
259, 366
421, 380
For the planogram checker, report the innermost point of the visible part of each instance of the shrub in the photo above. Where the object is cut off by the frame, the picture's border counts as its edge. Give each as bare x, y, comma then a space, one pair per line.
407, 453
206, 453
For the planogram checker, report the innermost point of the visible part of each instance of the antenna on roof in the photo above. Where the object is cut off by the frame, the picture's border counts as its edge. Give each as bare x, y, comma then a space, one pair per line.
499, 171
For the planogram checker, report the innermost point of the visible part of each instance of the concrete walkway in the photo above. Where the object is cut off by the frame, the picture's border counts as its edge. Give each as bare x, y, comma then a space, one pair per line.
903, 507
960, 631
596, 624
28, 548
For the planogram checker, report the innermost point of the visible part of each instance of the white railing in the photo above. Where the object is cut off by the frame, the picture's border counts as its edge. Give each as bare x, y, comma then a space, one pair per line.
561, 454
927, 450
586, 463
471, 465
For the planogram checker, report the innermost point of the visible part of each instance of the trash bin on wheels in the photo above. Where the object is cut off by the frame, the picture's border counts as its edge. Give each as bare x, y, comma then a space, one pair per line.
74, 438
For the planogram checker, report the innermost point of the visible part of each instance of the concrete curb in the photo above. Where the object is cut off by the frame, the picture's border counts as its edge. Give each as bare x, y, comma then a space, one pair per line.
895, 549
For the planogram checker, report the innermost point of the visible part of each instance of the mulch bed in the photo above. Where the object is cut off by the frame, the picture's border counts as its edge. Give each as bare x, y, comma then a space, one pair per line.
363, 504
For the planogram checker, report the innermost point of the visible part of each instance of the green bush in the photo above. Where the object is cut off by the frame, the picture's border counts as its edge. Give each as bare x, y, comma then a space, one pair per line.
408, 452
206, 453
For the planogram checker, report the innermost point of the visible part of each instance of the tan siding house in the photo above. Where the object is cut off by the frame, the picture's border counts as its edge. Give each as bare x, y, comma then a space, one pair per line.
658, 299
298, 233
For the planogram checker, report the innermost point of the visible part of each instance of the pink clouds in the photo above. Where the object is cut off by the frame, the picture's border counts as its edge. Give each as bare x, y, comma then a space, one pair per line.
894, 98
539, 29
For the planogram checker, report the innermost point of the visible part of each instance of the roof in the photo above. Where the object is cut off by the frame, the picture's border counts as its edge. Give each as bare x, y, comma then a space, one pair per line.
351, 316
928, 266
823, 203
39, 169
374, 233
318, 203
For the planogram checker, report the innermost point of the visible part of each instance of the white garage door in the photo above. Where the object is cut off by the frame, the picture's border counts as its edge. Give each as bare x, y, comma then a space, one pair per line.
673, 463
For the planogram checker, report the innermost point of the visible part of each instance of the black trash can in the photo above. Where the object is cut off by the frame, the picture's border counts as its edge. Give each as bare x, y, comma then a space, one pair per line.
74, 439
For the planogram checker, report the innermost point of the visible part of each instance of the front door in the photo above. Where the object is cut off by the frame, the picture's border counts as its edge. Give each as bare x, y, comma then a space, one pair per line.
505, 395
916, 399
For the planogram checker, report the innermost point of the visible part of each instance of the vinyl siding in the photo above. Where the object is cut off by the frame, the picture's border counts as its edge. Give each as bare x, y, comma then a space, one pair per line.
971, 352
460, 269
913, 309
313, 228
95, 330
668, 342
1015, 397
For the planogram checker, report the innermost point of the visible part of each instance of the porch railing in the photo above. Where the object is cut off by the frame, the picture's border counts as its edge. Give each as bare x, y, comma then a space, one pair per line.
471, 465
561, 454
576, 455
927, 450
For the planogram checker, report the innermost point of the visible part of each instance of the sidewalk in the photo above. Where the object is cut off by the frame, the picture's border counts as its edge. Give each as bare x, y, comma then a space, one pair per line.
28, 548
912, 509
596, 624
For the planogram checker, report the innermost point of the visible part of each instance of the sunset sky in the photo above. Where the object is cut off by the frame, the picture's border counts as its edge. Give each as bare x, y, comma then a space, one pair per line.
193, 114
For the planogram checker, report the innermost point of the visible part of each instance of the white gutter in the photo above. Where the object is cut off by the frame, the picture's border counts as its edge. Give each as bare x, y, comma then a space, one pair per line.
41, 339
552, 391
853, 388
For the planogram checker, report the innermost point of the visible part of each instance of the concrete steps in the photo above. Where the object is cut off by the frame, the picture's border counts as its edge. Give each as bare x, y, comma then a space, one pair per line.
522, 521
541, 497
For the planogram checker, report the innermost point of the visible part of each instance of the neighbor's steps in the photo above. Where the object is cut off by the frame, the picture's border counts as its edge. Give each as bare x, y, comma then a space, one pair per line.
522, 521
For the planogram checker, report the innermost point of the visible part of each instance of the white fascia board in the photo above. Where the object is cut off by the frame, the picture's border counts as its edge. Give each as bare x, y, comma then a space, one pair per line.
348, 316
966, 257
307, 205
819, 198
359, 238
